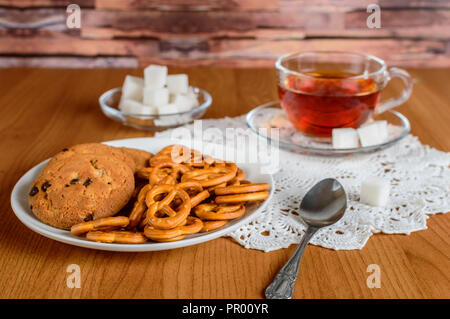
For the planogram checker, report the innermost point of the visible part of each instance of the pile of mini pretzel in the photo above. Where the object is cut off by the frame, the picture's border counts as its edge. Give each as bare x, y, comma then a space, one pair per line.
182, 192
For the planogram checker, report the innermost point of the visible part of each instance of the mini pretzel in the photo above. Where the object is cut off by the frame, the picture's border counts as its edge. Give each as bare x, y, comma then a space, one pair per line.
193, 186
143, 222
233, 182
139, 207
144, 173
136, 214
212, 188
240, 175
241, 189
100, 224
190, 186
193, 225
212, 225
200, 197
174, 218
164, 169
172, 153
239, 198
120, 237
212, 176
168, 180
213, 211
198, 160
162, 156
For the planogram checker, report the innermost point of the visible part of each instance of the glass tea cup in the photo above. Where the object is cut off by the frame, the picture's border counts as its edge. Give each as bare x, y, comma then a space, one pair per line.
323, 90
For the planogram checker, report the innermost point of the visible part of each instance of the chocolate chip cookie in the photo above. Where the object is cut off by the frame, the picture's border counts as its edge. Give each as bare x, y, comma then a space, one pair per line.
81, 187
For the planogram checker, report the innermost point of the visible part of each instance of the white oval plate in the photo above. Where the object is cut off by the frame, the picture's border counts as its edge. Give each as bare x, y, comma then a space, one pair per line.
19, 202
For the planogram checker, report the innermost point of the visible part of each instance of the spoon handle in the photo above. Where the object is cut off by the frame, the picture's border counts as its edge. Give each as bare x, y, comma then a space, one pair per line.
282, 287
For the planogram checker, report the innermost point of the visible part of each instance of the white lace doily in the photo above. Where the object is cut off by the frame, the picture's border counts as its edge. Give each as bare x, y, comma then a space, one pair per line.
420, 186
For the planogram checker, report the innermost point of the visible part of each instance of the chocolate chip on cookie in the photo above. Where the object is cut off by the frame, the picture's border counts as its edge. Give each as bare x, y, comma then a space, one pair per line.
34, 191
45, 186
87, 182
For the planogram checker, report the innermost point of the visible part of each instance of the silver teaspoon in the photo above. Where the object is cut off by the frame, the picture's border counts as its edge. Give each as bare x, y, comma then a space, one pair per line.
323, 205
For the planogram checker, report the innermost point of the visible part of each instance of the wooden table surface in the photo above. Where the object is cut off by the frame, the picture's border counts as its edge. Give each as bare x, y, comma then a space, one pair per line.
42, 111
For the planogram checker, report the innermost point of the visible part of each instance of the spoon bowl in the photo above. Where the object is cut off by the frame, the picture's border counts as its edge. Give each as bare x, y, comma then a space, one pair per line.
324, 204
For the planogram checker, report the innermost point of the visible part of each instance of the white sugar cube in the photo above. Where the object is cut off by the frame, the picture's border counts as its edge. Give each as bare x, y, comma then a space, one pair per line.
132, 88
373, 133
344, 138
193, 96
184, 102
170, 108
148, 110
129, 106
155, 97
178, 83
279, 120
191, 93
190, 98
375, 191
382, 130
155, 76
133, 107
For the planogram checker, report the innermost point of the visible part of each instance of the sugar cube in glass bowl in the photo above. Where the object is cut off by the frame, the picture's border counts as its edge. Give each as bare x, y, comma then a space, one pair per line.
133, 107
178, 83
375, 191
169, 108
155, 97
155, 76
185, 102
132, 88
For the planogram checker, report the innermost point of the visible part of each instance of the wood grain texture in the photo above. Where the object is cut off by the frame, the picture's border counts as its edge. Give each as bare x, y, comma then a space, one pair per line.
45, 110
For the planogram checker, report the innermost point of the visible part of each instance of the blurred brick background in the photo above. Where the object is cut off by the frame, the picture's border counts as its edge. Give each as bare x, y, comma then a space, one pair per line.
243, 33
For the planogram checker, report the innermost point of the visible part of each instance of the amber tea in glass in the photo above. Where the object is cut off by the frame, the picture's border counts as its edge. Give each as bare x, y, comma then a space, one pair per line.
320, 91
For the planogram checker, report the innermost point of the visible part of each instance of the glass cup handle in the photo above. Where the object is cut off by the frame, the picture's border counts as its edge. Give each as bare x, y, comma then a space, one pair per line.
393, 102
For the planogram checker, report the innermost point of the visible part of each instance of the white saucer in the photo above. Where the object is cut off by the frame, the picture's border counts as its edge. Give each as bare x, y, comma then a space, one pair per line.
262, 117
